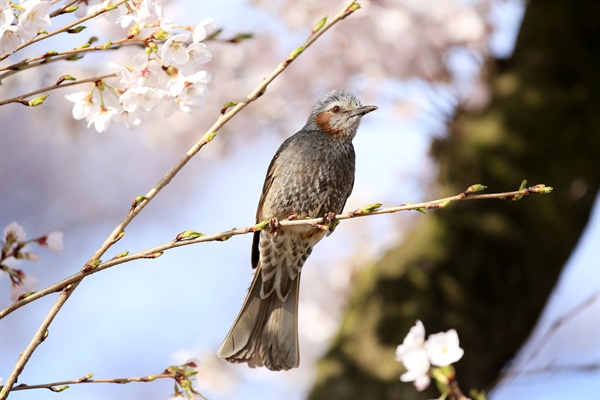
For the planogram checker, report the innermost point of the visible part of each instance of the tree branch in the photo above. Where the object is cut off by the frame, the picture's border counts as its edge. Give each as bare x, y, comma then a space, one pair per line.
53, 56
58, 85
60, 386
139, 205
192, 237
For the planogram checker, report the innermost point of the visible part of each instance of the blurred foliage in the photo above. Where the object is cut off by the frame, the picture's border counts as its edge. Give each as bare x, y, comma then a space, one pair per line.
487, 268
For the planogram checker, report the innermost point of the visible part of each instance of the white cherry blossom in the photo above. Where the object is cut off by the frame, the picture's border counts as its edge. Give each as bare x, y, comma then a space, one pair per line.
443, 348
84, 104
35, 16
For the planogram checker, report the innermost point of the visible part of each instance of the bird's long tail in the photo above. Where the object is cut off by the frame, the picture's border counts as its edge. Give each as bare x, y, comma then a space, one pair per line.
266, 330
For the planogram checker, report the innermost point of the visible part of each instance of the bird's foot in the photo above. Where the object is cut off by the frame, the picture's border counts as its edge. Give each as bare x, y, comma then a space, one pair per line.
274, 226
329, 222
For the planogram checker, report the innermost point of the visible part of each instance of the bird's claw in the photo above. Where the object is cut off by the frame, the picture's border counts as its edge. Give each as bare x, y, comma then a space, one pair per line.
328, 222
274, 226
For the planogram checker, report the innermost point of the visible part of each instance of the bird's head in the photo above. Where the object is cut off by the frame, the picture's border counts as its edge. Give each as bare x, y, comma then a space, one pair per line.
338, 114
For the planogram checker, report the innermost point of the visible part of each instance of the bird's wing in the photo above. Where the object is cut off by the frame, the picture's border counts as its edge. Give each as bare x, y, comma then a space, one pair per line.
266, 187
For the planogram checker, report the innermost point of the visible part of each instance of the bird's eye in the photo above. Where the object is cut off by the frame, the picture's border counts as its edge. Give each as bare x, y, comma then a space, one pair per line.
336, 109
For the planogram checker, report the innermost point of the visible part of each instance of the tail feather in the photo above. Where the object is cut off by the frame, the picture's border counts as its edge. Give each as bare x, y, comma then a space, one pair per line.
266, 330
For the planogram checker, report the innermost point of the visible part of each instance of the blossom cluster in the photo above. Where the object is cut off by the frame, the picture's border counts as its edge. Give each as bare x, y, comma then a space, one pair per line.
19, 23
167, 71
15, 249
417, 355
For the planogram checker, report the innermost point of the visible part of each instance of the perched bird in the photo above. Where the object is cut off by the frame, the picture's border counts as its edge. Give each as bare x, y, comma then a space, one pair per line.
311, 175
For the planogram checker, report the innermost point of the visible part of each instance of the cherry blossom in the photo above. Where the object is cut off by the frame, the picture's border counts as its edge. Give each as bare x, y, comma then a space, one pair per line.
202, 30
443, 348
34, 17
417, 355
14, 233
174, 51
141, 97
21, 283
84, 104
53, 241
6, 16
102, 117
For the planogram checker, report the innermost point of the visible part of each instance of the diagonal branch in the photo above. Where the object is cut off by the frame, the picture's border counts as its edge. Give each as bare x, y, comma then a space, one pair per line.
138, 206
192, 237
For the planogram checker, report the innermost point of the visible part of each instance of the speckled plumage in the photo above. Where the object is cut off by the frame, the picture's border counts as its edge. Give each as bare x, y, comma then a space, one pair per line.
311, 175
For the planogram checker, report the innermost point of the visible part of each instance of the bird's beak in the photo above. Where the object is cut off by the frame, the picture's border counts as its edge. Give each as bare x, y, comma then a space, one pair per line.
360, 111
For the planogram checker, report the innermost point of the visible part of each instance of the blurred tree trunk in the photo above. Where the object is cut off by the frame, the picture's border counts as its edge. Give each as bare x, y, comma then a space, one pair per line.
487, 268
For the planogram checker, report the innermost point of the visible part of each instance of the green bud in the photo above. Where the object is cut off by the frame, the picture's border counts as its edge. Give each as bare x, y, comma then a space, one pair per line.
25, 295
541, 189
160, 35
106, 45
70, 9
367, 209
88, 376
59, 388
119, 236
75, 57
84, 46
65, 78
93, 40
93, 265
154, 255
50, 53
476, 188
75, 30
319, 24
189, 234
209, 137
260, 226
110, 7
137, 201
121, 255
133, 31
37, 101
353, 7
214, 34
295, 53
227, 105
241, 36
523, 184
443, 203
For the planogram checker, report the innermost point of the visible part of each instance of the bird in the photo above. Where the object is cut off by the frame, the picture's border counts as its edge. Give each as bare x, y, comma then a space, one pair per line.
310, 176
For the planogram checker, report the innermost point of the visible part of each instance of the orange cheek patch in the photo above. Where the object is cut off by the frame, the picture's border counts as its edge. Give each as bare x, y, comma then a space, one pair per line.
323, 122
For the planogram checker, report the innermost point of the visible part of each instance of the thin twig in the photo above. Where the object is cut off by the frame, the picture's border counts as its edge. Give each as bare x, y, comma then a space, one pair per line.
543, 341
157, 251
53, 386
60, 10
65, 55
21, 99
347, 9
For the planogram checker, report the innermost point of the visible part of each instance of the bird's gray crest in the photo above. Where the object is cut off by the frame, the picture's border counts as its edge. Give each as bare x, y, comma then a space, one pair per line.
339, 97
